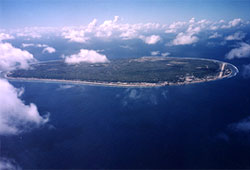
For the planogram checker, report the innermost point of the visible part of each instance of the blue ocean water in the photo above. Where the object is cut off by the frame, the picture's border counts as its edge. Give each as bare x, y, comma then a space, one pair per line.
189, 126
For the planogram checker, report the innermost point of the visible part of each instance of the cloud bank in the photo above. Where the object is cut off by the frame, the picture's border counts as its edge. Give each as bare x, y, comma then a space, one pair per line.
87, 56
112, 29
186, 32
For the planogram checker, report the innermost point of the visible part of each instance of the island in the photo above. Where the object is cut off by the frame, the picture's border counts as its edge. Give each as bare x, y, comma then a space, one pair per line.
143, 72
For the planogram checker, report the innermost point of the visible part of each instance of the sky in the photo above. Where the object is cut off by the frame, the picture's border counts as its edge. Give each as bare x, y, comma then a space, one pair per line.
58, 13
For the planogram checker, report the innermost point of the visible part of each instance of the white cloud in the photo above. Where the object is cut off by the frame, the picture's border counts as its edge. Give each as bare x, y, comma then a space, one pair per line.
215, 35
233, 23
198, 26
129, 34
41, 45
221, 21
15, 116
188, 31
31, 34
82, 34
243, 51
75, 35
35, 32
24, 45
91, 25
153, 39
192, 26
192, 29
88, 56
12, 58
150, 26
236, 36
185, 38
214, 27
109, 29
175, 26
4, 36
155, 52
106, 29
203, 21
165, 54
192, 20
49, 50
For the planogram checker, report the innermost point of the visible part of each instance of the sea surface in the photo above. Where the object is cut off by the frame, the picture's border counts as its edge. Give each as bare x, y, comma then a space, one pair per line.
187, 126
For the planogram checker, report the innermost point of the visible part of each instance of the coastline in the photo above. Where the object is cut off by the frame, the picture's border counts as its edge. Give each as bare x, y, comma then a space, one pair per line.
186, 81
118, 84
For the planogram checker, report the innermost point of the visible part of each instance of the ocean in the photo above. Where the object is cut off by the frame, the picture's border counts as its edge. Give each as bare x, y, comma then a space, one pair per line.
203, 125
187, 126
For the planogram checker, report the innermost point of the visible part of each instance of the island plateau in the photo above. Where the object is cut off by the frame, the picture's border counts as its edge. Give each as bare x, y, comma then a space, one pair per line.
144, 72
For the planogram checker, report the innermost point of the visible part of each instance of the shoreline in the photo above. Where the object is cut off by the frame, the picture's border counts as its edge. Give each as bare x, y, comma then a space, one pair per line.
117, 84
186, 81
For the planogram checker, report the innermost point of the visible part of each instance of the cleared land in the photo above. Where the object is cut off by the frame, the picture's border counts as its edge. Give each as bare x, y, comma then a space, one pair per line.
145, 71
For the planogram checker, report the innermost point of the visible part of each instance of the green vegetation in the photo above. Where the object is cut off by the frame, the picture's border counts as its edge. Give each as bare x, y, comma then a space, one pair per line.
142, 70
